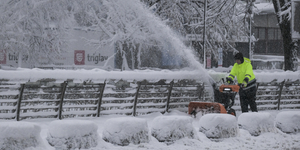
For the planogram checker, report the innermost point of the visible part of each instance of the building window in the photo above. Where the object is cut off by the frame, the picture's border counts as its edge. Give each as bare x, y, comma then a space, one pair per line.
279, 34
261, 33
256, 32
269, 40
267, 33
271, 34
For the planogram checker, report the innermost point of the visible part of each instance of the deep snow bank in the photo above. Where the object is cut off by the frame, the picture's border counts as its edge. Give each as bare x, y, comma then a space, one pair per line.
23, 74
123, 131
288, 121
257, 122
219, 126
260, 75
19, 135
172, 128
174, 124
72, 134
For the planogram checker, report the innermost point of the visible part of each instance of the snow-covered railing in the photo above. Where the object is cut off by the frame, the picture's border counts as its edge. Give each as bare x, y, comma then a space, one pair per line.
276, 95
48, 99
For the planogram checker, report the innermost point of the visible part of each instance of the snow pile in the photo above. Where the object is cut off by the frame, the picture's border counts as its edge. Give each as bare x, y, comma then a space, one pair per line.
171, 128
19, 135
218, 126
123, 131
257, 122
99, 75
72, 134
288, 121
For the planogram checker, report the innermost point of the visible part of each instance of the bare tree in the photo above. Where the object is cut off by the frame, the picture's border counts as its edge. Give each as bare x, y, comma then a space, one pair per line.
40, 27
130, 29
225, 22
35, 28
283, 11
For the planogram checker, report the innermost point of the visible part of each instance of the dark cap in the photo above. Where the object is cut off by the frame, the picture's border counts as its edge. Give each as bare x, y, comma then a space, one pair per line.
239, 56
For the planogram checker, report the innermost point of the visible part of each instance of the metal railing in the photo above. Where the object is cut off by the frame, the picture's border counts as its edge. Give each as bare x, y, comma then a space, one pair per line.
47, 99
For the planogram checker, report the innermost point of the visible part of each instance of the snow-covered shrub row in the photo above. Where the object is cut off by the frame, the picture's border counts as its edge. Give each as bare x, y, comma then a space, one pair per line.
171, 128
288, 121
72, 134
218, 126
123, 131
19, 135
257, 122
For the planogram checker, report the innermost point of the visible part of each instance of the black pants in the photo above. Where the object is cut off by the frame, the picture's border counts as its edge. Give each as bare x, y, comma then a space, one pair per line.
248, 97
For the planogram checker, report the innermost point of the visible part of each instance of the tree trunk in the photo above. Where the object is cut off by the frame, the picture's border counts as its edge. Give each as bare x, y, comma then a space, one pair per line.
290, 50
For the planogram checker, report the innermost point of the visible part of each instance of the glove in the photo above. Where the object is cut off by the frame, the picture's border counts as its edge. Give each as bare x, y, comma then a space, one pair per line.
229, 80
245, 82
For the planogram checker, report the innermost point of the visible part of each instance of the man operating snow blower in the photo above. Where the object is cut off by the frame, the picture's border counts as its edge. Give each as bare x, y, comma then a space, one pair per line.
243, 71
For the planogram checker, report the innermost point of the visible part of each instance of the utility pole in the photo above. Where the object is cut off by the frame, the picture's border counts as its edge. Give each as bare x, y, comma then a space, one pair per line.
204, 35
250, 27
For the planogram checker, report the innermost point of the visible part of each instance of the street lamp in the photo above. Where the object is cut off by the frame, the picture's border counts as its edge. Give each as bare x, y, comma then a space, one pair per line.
250, 28
204, 35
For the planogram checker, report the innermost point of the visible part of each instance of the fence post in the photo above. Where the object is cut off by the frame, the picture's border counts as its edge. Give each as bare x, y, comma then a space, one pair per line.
62, 95
100, 98
19, 102
169, 95
257, 85
280, 91
201, 92
135, 99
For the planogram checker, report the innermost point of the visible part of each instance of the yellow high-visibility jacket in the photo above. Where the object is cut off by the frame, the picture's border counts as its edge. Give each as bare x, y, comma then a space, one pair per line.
241, 71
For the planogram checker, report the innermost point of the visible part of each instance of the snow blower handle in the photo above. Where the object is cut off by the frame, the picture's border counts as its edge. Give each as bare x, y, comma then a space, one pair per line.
229, 86
229, 80
223, 80
233, 88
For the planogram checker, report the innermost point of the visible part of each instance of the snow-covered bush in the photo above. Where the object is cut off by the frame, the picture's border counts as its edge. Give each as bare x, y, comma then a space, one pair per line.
19, 135
218, 126
257, 122
72, 134
171, 128
288, 121
123, 131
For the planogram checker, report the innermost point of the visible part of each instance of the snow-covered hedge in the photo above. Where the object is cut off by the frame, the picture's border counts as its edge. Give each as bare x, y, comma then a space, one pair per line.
218, 126
171, 128
257, 122
72, 134
19, 135
123, 131
288, 121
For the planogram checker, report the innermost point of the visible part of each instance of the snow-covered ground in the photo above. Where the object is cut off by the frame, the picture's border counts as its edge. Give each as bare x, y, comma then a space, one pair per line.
271, 139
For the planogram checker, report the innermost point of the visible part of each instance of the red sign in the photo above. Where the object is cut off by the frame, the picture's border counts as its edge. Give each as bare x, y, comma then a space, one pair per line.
2, 57
208, 61
79, 56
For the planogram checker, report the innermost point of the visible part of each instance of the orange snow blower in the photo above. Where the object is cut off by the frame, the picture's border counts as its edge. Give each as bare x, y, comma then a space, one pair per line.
224, 100
206, 107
